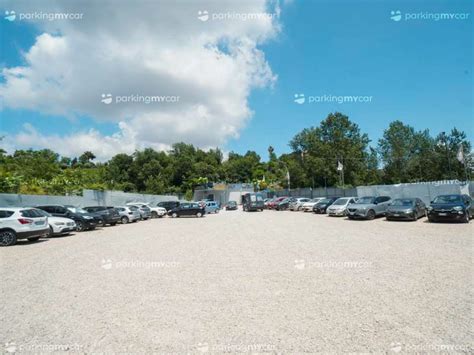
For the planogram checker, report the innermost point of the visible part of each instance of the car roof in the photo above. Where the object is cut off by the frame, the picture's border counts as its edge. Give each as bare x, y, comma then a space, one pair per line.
17, 208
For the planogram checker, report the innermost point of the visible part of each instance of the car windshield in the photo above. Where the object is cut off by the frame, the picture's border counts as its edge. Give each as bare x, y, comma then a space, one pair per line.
232, 203
365, 200
403, 202
77, 210
341, 201
448, 199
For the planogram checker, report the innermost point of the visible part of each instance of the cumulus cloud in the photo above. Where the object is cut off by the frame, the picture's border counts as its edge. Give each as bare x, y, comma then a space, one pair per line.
157, 48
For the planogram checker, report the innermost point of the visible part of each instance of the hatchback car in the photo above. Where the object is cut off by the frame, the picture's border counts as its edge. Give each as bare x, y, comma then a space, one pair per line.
297, 204
187, 209
406, 208
231, 206
368, 207
339, 207
321, 206
273, 203
308, 206
144, 209
212, 207
451, 208
109, 214
21, 223
128, 214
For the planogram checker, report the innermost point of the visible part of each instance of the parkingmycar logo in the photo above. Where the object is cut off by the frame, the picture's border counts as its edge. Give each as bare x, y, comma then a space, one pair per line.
340, 99
108, 99
204, 15
109, 264
10, 16
42, 16
397, 16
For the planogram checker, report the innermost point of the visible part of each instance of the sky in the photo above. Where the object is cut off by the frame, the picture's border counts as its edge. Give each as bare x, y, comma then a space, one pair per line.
225, 73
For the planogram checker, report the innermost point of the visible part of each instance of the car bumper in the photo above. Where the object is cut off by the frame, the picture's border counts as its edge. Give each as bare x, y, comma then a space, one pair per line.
32, 234
399, 215
58, 230
357, 214
447, 216
337, 213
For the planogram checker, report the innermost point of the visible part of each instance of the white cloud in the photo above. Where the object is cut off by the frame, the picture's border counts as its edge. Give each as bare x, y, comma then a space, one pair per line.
145, 48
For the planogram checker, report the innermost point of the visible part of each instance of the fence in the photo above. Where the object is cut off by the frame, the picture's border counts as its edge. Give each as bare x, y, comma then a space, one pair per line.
88, 198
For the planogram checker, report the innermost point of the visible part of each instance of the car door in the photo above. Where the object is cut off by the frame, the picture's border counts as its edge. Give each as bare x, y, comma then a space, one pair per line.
60, 211
184, 209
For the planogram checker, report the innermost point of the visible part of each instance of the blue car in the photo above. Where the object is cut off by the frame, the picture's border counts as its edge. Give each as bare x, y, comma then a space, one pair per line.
212, 207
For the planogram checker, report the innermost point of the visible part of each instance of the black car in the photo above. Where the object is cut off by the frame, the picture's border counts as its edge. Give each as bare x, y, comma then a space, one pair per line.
187, 209
84, 220
109, 214
168, 205
406, 208
323, 205
451, 208
283, 205
252, 202
231, 206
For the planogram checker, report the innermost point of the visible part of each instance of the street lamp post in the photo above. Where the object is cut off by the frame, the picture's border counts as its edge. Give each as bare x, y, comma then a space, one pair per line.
444, 142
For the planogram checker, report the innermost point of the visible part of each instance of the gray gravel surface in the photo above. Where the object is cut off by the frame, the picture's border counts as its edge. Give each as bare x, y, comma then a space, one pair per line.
278, 282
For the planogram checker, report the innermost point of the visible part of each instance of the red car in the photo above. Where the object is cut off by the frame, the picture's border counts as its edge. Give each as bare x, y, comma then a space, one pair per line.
272, 204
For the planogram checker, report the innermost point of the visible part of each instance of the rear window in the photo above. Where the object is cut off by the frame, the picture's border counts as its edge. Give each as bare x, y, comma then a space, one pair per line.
30, 213
6, 214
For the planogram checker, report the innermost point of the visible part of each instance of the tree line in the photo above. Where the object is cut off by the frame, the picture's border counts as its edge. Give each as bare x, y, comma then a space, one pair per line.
335, 153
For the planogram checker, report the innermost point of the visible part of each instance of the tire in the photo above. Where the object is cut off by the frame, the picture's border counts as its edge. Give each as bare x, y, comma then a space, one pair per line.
370, 214
80, 226
34, 239
154, 214
124, 219
7, 238
50, 234
113, 224
466, 217
199, 214
431, 220
174, 215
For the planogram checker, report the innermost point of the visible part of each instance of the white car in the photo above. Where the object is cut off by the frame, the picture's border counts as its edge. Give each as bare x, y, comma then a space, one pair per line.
128, 214
308, 206
339, 207
156, 212
297, 205
21, 223
58, 225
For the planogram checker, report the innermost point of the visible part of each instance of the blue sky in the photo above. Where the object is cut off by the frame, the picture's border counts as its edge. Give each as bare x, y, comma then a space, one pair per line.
417, 71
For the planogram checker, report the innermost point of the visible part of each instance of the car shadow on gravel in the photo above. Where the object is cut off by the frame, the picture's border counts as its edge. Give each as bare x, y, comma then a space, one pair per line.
24, 242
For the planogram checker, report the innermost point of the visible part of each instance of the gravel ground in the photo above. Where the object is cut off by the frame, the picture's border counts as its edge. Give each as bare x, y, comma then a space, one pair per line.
280, 282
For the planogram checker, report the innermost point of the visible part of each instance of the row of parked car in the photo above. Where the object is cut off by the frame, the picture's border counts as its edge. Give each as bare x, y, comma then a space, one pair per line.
32, 223
442, 208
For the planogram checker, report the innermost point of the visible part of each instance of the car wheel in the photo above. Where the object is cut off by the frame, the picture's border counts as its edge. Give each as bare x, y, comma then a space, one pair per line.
50, 234
431, 220
124, 219
113, 223
371, 214
154, 214
7, 238
79, 226
174, 215
466, 217
34, 239
199, 214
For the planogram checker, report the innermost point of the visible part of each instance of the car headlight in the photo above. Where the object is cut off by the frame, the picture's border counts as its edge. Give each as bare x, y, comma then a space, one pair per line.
59, 223
429, 208
458, 208
409, 211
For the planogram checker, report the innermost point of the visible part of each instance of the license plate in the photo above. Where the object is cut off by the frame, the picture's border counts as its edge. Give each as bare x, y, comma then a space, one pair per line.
442, 214
39, 223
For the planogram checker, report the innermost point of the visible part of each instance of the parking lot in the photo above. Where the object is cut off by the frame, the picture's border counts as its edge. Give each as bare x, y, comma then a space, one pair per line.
235, 282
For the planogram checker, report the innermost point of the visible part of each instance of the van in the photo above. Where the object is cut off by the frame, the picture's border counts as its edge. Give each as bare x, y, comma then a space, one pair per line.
252, 202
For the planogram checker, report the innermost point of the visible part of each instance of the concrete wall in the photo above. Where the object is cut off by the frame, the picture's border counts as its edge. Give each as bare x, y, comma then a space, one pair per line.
426, 191
88, 198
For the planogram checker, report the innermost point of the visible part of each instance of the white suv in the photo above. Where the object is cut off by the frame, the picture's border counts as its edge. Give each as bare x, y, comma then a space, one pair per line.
21, 223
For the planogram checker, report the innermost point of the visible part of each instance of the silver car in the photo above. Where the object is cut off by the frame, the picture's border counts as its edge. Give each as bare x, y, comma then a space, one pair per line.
297, 204
339, 207
128, 214
369, 207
